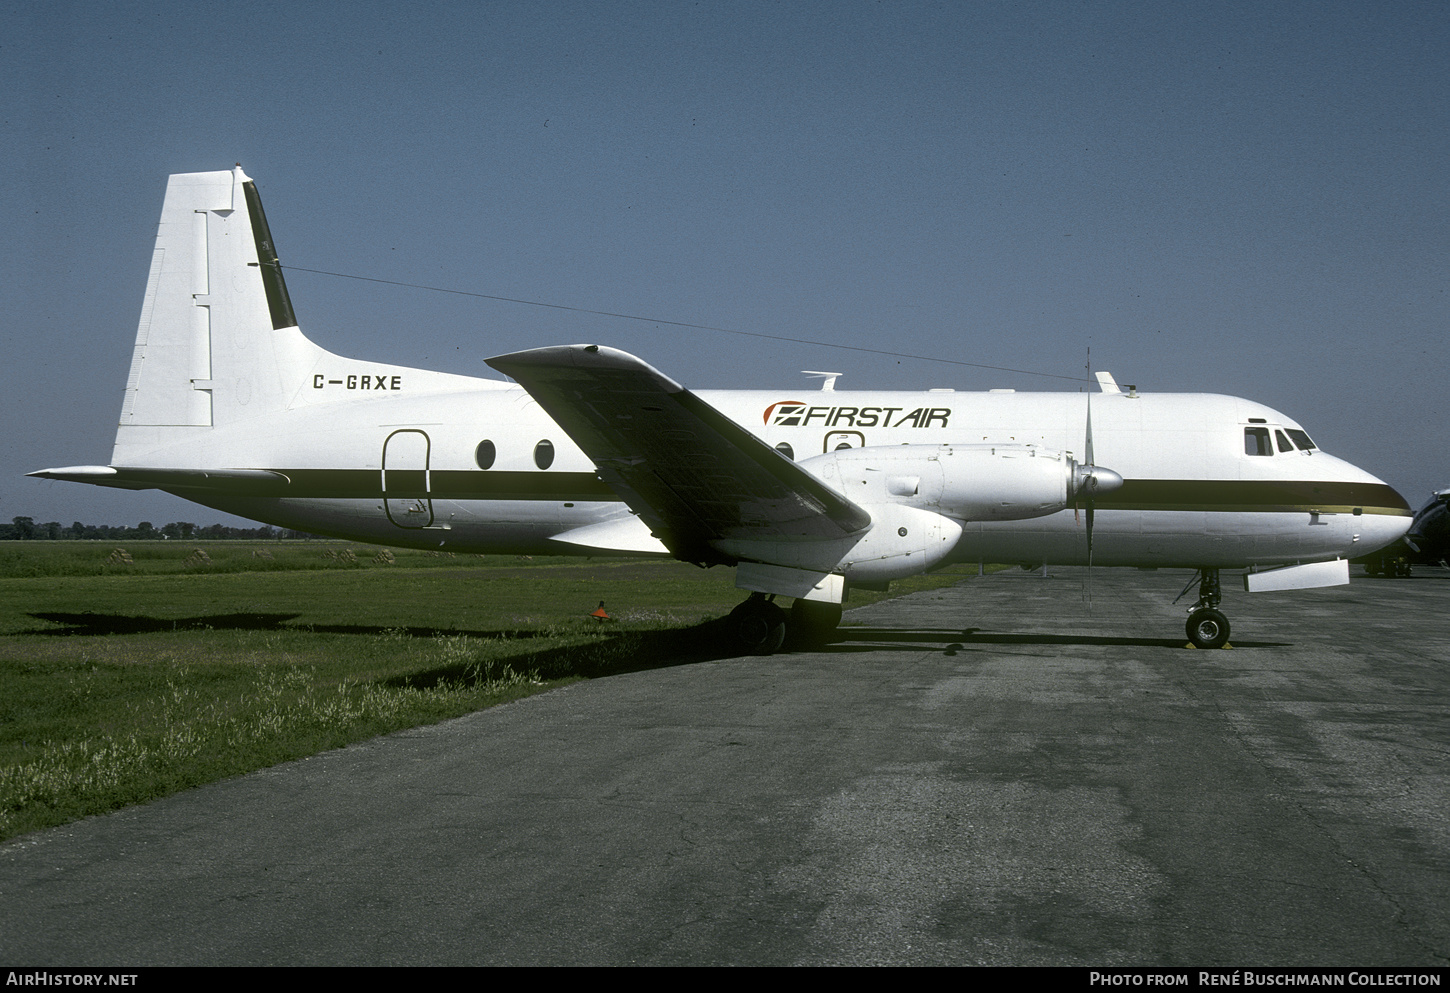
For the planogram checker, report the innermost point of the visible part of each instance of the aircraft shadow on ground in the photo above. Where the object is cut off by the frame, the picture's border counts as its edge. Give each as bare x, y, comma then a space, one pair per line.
853, 640
640, 651
621, 651
100, 624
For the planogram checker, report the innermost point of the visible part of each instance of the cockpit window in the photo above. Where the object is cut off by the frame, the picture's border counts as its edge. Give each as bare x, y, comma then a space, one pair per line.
1256, 442
1302, 440
1284, 445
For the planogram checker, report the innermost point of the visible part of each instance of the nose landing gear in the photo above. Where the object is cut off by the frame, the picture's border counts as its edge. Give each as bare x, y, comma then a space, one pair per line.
1207, 627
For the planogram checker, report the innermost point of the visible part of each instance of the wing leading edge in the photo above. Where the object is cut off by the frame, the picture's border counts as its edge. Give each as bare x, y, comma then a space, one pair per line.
692, 474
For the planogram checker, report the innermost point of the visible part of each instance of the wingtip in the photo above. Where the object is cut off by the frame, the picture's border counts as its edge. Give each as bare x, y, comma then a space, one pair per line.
582, 356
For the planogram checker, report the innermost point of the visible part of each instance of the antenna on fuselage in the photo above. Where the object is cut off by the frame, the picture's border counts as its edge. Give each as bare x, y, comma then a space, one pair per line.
829, 386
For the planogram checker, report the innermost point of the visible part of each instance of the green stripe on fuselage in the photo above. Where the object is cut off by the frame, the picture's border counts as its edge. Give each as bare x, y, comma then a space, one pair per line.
1183, 495
1254, 496
445, 484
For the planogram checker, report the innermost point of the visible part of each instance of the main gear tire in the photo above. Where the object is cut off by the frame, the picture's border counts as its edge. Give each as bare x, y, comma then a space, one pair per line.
758, 626
813, 623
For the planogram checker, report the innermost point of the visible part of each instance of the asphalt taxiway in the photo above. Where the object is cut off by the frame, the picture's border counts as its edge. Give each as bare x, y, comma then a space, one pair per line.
998, 773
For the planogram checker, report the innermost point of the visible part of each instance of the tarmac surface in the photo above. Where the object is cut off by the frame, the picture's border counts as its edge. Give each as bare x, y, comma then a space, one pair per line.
998, 773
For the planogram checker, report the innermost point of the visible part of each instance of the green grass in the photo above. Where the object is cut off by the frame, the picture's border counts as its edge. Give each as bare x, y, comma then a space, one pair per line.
123, 682
146, 558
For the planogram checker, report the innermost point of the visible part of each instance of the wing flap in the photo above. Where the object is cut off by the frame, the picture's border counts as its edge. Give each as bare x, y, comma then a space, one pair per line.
691, 473
626, 534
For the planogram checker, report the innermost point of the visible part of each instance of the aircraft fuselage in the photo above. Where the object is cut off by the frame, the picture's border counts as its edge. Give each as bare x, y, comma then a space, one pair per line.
404, 470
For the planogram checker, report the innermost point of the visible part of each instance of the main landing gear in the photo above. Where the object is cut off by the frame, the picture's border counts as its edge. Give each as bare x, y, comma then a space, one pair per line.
813, 623
1207, 627
760, 626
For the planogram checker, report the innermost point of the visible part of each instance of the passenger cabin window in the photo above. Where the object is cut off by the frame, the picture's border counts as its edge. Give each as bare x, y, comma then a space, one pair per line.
1302, 440
785, 449
1256, 442
544, 454
484, 454
1284, 445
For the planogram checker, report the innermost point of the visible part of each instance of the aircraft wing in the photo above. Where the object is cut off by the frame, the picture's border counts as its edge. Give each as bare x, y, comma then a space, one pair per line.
690, 473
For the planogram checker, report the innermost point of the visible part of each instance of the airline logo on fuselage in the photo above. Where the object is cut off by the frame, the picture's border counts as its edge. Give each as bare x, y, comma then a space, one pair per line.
798, 414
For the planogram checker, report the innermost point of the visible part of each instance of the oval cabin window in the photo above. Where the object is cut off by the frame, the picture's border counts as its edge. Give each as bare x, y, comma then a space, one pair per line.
785, 449
484, 454
544, 454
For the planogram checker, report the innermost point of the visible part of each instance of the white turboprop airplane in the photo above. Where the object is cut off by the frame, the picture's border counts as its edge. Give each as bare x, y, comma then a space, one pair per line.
594, 452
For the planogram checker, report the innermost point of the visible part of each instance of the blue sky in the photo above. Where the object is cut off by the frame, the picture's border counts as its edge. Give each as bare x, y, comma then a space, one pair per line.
1238, 198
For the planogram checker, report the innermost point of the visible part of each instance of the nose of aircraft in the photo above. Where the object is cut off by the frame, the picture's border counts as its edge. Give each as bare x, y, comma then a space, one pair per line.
1384, 518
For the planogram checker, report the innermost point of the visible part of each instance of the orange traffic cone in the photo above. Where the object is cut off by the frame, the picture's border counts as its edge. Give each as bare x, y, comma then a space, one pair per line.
599, 614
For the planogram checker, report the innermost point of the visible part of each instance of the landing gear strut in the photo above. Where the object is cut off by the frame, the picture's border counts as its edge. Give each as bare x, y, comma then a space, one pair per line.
1207, 627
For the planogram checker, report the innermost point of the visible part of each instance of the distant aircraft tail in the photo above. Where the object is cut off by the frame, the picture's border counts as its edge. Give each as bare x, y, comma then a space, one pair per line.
217, 330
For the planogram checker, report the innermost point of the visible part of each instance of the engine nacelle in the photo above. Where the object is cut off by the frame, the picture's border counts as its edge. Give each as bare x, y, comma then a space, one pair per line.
966, 482
903, 541
918, 496
1006, 482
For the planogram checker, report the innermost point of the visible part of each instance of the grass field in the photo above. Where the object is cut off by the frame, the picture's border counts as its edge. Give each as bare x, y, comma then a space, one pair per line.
125, 677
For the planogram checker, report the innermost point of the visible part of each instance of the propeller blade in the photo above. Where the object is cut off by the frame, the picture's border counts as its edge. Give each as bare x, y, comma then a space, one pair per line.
1091, 483
1089, 479
1092, 480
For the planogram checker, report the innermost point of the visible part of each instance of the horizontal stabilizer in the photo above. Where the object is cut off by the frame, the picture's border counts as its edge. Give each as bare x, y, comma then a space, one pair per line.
230, 481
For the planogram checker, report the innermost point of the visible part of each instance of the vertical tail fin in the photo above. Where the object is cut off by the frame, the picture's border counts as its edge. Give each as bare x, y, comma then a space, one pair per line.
216, 328
207, 347
222, 378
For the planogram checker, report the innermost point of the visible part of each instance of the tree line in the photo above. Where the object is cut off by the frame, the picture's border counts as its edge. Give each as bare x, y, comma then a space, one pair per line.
25, 529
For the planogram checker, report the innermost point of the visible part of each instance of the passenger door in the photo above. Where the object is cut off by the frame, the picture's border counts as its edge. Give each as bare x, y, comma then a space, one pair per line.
407, 488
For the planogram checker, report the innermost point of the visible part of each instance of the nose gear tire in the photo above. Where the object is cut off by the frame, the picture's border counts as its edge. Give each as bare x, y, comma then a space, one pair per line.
1207, 628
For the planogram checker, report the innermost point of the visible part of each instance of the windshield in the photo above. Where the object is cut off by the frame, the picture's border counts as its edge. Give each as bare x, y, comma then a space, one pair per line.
1301, 439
